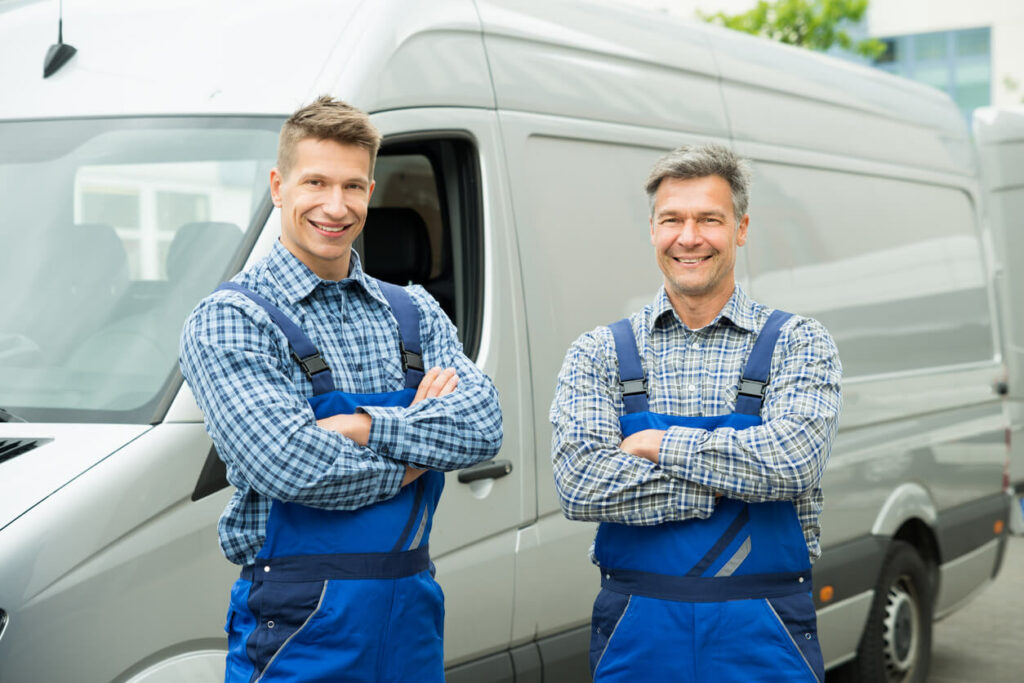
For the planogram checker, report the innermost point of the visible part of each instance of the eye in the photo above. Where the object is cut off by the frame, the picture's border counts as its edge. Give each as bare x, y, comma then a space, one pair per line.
315, 182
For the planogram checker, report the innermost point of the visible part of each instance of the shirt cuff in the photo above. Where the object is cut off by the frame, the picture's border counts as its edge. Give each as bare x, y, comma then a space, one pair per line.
387, 431
680, 451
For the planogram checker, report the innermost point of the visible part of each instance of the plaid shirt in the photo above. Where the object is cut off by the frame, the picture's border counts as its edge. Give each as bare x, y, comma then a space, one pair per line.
253, 394
695, 373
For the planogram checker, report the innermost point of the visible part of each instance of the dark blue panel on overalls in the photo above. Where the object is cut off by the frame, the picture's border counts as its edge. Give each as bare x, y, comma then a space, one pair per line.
725, 598
343, 595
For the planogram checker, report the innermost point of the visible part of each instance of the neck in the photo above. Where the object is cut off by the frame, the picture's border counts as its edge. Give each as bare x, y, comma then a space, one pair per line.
698, 311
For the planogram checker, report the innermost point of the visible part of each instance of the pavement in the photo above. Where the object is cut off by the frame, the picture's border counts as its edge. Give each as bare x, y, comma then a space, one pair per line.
984, 641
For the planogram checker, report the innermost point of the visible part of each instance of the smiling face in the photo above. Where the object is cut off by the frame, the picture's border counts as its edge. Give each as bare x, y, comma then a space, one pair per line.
695, 236
323, 200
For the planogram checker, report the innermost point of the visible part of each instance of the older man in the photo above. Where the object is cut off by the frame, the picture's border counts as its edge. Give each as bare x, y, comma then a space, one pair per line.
696, 432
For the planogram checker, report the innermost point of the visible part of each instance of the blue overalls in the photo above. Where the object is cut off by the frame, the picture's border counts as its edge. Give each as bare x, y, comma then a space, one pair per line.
720, 599
343, 595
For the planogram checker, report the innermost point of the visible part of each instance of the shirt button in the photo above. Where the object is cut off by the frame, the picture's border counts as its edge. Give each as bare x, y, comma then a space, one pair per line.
696, 345
270, 624
266, 568
692, 387
384, 449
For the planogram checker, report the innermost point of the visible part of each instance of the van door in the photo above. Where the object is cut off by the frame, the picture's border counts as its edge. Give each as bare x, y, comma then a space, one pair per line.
439, 176
1000, 138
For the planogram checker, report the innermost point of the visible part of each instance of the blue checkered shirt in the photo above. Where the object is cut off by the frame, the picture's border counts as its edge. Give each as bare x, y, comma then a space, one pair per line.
253, 394
696, 373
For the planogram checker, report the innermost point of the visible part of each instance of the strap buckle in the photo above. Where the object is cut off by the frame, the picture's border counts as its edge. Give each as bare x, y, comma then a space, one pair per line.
752, 388
410, 359
313, 364
631, 387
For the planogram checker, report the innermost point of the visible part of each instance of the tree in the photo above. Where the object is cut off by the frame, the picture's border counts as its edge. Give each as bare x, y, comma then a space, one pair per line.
814, 24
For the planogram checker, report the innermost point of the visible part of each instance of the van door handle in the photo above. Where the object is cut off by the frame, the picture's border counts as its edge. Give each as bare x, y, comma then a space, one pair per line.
492, 469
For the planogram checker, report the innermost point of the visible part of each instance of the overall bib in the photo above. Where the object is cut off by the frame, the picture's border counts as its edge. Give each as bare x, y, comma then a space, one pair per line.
720, 599
343, 595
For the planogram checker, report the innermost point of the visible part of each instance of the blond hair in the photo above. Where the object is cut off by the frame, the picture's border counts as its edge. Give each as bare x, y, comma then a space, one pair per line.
327, 119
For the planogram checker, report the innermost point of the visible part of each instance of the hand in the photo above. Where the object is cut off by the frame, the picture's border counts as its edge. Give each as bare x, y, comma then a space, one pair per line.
355, 427
436, 383
644, 444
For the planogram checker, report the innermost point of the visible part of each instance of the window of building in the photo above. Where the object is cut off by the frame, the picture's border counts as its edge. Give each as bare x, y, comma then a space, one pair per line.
957, 62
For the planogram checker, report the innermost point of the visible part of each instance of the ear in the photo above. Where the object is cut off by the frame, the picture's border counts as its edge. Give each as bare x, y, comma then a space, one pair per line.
650, 222
369, 193
741, 230
275, 186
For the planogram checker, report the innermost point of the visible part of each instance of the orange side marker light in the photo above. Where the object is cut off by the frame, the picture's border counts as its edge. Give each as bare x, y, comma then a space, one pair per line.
826, 594
997, 528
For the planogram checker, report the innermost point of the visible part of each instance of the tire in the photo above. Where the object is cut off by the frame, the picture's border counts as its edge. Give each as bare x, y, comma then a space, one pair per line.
896, 646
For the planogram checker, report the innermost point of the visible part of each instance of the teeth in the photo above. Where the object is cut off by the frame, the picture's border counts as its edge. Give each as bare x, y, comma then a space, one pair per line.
327, 229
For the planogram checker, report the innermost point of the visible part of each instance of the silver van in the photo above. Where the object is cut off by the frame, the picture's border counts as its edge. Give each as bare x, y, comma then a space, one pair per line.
517, 136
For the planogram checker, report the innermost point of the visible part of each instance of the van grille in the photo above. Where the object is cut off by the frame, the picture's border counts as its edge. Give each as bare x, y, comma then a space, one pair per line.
10, 448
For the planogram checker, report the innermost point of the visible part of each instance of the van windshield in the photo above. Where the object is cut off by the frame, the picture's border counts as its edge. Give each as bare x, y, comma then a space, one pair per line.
111, 230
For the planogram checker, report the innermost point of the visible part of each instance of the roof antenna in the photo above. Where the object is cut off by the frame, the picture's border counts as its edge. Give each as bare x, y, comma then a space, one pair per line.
60, 52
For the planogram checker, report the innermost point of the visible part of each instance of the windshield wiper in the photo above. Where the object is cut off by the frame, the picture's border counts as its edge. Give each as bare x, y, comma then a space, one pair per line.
8, 416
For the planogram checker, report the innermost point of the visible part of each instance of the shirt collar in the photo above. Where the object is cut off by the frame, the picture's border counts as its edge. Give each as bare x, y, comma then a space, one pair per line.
296, 281
739, 310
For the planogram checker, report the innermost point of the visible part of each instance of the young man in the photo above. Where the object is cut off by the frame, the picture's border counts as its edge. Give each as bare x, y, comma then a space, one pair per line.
310, 375
696, 432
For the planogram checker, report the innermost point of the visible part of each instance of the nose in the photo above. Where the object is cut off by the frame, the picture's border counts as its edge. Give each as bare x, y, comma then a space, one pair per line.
334, 203
689, 234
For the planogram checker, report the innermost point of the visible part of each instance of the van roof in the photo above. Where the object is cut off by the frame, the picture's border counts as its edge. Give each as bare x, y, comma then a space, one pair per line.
258, 57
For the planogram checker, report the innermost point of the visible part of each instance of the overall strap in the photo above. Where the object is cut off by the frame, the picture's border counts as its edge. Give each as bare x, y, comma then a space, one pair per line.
631, 370
303, 349
408, 317
755, 375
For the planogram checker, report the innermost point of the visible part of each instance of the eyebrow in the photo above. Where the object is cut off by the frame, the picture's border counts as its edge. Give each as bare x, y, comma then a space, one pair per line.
699, 214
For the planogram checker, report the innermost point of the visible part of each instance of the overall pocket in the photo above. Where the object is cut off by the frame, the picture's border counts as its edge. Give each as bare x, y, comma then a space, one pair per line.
795, 614
281, 610
609, 607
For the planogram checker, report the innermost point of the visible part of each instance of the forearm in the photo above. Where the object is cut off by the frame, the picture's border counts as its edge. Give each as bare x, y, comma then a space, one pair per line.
780, 460
299, 462
445, 433
606, 484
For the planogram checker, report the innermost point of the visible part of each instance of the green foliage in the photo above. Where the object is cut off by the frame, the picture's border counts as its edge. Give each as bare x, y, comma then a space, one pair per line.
814, 24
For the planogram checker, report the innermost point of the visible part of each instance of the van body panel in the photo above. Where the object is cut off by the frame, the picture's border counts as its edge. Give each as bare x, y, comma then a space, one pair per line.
844, 624
605, 63
126, 554
773, 99
65, 451
965, 577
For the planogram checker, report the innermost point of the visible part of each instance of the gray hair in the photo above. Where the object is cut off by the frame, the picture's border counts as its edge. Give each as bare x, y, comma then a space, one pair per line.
700, 161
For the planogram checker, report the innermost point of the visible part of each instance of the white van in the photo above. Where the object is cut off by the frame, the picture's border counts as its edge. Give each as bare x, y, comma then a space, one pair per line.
517, 138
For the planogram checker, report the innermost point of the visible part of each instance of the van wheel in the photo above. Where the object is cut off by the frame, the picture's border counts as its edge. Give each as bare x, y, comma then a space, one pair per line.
897, 643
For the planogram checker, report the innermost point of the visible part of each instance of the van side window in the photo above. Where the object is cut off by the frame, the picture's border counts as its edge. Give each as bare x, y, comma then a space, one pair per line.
423, 226
893, 268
